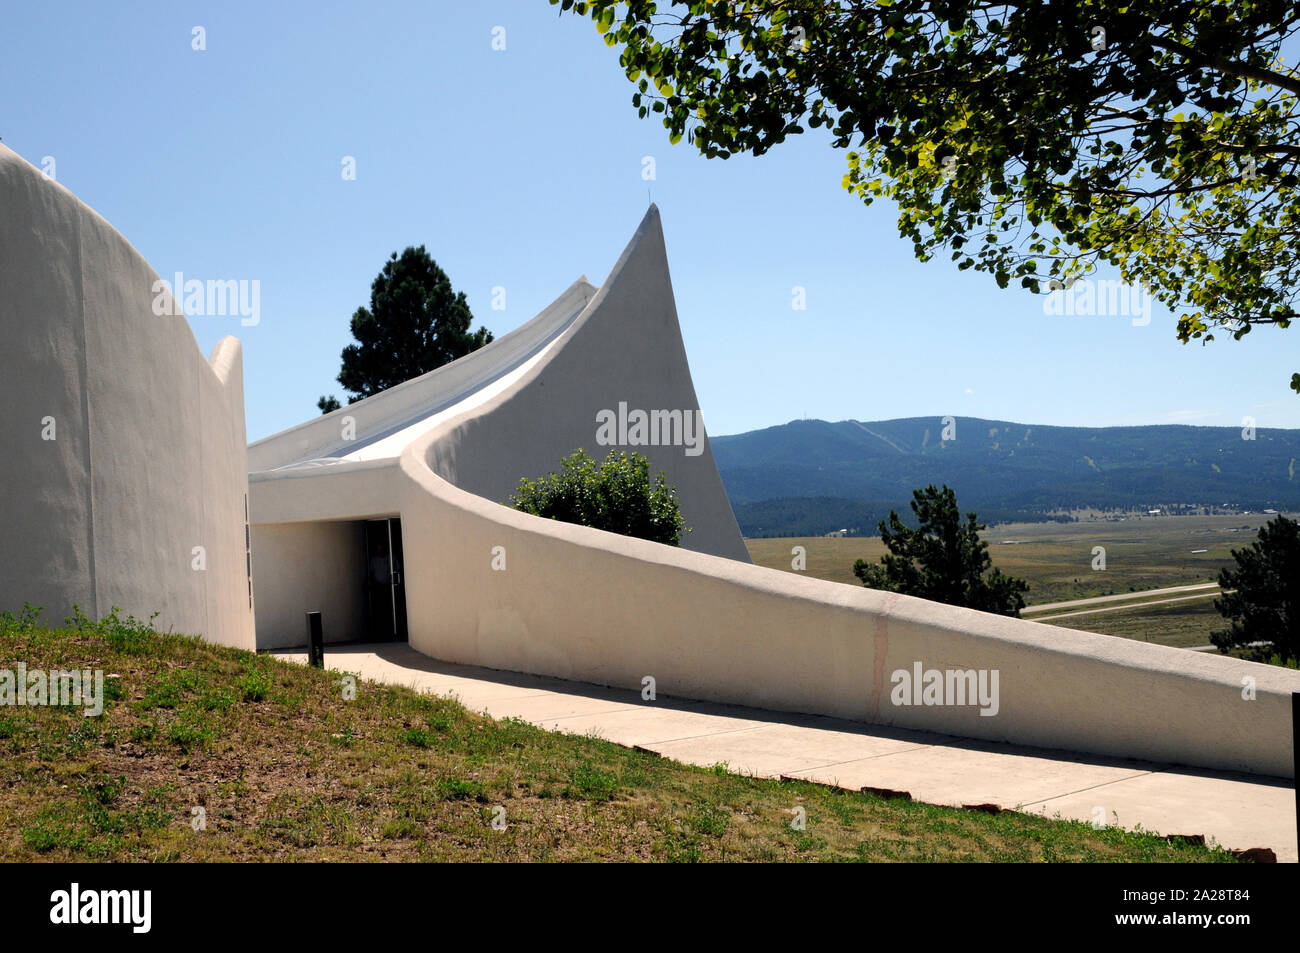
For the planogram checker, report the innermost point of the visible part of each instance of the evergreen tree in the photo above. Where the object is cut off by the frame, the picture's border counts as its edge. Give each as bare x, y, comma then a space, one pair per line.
415, 323
943, 559
1261, 597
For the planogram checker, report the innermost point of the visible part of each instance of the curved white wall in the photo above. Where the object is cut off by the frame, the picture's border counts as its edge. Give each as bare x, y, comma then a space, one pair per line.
582, 604
149, 456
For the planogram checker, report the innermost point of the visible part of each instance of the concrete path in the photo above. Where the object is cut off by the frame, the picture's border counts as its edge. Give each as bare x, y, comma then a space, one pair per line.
1126, 607
1237, 811
1118, 597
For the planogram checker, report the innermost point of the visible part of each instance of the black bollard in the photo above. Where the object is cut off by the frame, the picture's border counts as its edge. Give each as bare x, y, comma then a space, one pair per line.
315, 641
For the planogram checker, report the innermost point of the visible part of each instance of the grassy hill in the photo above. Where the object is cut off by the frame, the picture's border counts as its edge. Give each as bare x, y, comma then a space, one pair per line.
997, 465
280, 766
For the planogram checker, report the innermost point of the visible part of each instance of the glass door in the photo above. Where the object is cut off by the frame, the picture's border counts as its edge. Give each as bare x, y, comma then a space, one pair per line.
385, 581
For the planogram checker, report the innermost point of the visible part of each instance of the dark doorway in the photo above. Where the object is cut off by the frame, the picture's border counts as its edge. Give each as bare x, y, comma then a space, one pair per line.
385, 581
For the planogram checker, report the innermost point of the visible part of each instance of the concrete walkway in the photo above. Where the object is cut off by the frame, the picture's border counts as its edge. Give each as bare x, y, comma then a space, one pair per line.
1117, 597
1237, 811
1126, 607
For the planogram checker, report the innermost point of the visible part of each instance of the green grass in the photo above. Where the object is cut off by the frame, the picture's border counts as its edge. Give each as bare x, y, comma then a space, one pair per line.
281, 767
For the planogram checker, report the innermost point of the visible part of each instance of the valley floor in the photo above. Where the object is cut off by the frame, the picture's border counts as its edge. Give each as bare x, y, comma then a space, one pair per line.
1143, 557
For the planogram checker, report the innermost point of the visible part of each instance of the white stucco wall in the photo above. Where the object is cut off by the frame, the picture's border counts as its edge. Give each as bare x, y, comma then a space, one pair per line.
582, 604
306, 526
149, 459
309, 567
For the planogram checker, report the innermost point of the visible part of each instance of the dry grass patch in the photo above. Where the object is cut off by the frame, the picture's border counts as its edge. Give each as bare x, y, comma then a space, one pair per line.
280, 767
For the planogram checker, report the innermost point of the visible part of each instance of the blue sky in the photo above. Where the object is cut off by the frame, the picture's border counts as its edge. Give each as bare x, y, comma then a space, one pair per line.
522, 168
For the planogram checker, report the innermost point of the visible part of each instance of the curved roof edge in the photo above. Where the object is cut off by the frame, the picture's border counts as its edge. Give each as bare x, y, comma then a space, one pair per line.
399, 406
624, 350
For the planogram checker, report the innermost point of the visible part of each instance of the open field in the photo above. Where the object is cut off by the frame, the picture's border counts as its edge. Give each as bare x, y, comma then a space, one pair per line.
283, 767
1185, 624
1056, 560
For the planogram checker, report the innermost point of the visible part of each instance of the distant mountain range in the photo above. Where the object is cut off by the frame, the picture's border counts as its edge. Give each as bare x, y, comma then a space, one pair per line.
814, 476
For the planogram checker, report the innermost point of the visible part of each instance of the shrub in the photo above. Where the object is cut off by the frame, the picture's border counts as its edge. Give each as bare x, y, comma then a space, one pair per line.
255, 685
617, 495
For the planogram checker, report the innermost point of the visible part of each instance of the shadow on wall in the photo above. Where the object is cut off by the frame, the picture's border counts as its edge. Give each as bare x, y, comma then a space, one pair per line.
124, 468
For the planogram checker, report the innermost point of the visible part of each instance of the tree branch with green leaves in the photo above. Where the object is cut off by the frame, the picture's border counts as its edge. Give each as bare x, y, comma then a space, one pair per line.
1035, 142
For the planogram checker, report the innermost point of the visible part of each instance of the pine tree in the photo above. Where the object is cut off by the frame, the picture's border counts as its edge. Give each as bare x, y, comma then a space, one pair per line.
415, 323
943, 559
